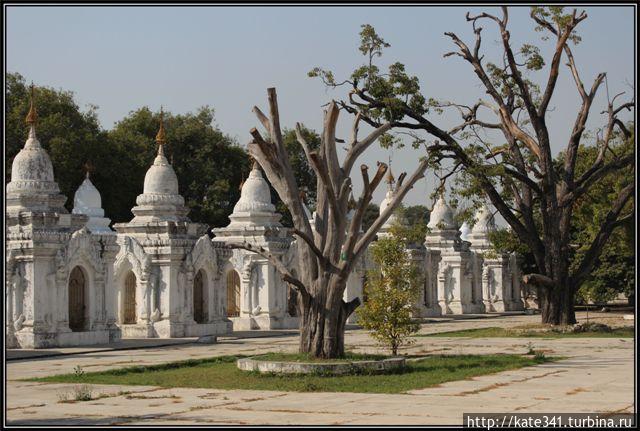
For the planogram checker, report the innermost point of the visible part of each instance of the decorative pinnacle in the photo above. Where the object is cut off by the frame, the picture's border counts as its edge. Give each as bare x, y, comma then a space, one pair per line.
32, 116
390, 178
88, 168
160, 137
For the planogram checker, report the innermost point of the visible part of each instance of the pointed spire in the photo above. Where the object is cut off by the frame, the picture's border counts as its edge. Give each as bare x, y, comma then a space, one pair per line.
88, 168
390, 178
160, 137
32, 116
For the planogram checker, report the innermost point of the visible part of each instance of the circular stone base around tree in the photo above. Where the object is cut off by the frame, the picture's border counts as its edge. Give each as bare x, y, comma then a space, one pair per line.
323, 368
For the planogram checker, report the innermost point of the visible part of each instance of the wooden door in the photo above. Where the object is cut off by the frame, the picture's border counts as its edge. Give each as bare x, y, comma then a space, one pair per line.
233, 294
198, 298
129, 303
77, 300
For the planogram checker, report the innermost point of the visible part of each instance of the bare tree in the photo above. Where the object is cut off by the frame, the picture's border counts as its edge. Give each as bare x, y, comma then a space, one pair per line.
329, 250
535, 195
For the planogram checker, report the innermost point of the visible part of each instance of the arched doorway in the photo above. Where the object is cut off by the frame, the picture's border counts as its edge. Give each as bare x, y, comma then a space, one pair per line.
129, 299
199, 314
233, 294
77, 300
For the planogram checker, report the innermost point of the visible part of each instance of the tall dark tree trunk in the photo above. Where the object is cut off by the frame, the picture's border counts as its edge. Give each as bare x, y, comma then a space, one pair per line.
557, 305
321, 327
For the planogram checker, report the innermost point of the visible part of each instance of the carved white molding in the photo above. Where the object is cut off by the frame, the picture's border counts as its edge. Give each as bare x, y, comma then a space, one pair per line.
133, 252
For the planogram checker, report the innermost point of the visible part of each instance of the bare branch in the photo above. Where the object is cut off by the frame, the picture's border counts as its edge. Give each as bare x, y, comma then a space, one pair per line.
263, 119
382, 218
312, 245
277, 264
360, 146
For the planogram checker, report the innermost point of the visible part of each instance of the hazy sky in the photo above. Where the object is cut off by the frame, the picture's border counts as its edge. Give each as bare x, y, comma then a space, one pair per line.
122, 58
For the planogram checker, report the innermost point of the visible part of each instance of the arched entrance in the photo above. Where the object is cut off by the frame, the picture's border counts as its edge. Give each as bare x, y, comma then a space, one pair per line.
233, 294
129, 299
77, 300
199, 314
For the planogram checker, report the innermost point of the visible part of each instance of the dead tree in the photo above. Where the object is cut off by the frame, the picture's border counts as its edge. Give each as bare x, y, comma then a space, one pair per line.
330, 249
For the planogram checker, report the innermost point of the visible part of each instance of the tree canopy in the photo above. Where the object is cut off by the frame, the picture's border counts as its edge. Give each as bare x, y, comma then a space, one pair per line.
209, 164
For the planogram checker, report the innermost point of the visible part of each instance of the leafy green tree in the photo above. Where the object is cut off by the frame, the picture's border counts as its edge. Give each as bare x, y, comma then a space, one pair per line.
70, 136
614, 271
392, 289
370, 215
416, 214
503, 145
208, 163
415, 218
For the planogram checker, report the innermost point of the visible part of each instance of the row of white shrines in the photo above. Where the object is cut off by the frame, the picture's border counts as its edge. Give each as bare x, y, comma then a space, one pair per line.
71, 280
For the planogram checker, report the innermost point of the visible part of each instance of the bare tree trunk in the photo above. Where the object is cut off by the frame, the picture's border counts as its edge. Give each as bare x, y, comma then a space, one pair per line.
321, 328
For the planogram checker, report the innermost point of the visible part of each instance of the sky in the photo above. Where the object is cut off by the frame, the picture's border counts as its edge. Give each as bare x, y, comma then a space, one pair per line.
122, 58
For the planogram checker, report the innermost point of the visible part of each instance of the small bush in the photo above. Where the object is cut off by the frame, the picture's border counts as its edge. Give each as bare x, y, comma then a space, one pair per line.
392, 290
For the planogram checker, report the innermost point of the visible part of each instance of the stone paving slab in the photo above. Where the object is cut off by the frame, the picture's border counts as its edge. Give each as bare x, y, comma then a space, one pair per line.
596, 376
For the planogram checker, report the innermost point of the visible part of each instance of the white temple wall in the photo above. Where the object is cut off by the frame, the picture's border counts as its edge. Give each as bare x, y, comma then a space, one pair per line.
430, 290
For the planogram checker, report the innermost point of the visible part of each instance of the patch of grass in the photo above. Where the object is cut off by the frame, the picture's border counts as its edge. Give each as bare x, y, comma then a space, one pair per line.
305, 357
222, 373
624, 332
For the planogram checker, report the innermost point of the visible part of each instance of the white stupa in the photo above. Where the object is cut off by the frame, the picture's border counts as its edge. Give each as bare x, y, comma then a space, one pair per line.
441, 218
32, 187
254, 207
87, 201
160, 199
388, 197
484, 224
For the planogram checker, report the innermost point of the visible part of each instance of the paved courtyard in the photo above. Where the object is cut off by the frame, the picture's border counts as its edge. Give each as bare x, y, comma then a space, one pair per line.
596, 376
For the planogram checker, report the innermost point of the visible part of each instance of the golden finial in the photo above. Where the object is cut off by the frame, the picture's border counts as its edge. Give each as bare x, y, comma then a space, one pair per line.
160, 137
390, 178
32, 116
88, 168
